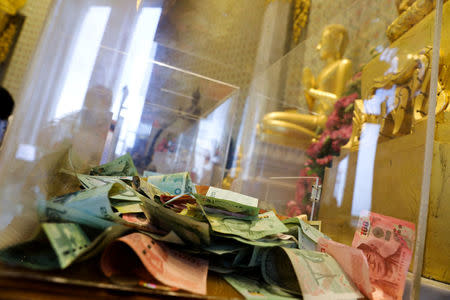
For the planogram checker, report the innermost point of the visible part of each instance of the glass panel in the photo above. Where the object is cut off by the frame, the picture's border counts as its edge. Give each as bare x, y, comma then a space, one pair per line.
103, 94
351, 114
329, 127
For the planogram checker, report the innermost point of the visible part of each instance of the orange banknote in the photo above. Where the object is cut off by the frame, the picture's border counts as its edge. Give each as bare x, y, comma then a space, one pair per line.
387, 244
352, 261
139, 255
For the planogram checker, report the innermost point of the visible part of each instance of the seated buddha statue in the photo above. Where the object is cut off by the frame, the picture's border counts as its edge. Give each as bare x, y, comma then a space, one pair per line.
297, 129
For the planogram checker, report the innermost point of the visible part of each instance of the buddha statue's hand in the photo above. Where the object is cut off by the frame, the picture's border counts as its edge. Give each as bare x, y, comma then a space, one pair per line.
308, 82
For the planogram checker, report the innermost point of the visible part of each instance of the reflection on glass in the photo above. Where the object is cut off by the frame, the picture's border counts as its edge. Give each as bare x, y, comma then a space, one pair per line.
210, 132
362, 193
373, 106
83, 60
389, 55
341, 179
135, 77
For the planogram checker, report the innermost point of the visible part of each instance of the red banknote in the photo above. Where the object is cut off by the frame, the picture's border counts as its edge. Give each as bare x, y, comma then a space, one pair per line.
352, 261
387, 244
139, 255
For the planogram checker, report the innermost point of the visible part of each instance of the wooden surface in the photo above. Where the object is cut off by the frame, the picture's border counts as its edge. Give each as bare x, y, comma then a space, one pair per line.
85, 281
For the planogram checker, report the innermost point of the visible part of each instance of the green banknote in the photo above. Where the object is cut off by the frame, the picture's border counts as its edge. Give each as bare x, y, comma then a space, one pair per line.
264, 225
254, 289
150, 173
91, 181
58, 245
242, 258
232, 196
121, 166
188, 229
314, 274
119, 192
49, 211
228, 205
68, 240
147, 188
308, 235
264, 242
94, 201
174, 184
259, 252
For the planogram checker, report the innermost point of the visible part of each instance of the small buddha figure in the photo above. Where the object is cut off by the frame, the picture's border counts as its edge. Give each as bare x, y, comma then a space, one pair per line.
296, 129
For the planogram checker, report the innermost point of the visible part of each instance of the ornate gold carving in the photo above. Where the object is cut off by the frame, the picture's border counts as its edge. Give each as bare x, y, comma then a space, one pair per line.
403, 5
301, 11
411, 16
403, 96
299, 17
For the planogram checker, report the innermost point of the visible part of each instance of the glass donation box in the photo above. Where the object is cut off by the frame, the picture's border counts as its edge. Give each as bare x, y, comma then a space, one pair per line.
233, 149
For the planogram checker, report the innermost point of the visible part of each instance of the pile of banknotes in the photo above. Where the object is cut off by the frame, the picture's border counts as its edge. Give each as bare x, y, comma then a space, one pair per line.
163, 232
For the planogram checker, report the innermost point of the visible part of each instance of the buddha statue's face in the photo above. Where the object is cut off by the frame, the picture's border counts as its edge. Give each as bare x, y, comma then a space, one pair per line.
328, 46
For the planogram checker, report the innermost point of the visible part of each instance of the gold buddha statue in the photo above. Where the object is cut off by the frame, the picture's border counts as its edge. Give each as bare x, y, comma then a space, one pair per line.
296, 129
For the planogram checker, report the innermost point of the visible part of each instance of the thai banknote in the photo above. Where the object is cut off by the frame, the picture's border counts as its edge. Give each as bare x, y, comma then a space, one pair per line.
230, 206
314, 274
90, 181
121, 166
188, 229
149, 189
170, 267
150, 173
352, 261
277, 270
94, 201
242, 258
308, 235
49, 211
232, 196
254, 289
264, 225
175, 184
263, 242
125, 192
58, 245
387, 244
258, 252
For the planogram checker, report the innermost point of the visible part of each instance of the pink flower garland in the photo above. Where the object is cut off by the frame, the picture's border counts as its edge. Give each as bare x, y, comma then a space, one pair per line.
338, 130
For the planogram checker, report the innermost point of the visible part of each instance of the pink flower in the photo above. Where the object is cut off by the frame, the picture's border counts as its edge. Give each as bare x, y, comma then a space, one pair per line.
293, 209
325, 160
309, 162
314, 149
333, 120
291, 203
304, 171
336, 146
300, 191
